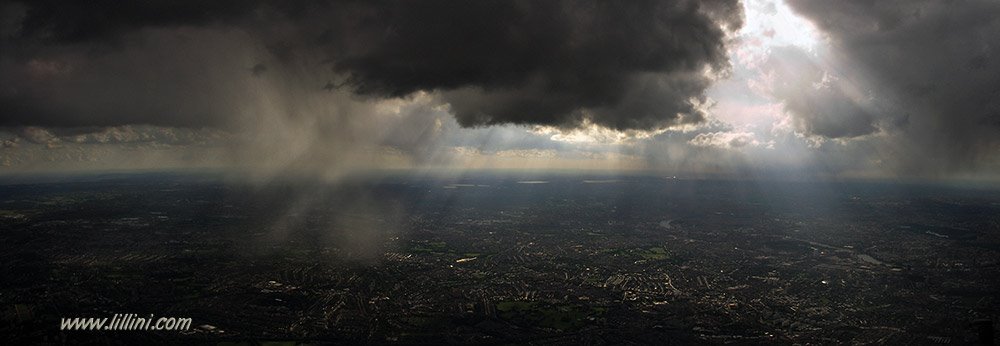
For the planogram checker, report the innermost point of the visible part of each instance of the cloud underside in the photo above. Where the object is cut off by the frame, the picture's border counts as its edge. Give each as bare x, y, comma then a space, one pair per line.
621, 65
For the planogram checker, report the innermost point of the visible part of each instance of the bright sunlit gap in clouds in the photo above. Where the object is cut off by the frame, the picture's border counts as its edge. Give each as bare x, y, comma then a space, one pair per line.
774, 24
741, 113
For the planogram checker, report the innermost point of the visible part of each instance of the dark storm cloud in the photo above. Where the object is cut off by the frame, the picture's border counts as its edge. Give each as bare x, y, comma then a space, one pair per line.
935, 65
624, 65
61, 21
258, 69
176, 77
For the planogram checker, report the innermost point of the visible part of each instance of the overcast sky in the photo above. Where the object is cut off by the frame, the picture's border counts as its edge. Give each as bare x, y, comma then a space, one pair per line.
759, 88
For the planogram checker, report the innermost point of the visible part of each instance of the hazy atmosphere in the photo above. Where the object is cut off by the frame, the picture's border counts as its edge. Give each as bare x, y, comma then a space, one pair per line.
886, 89
438, 172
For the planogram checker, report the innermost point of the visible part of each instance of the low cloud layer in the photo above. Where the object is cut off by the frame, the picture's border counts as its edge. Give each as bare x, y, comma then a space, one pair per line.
726, 140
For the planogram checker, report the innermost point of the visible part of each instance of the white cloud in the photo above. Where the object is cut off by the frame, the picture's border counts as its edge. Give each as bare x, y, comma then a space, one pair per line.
725, 139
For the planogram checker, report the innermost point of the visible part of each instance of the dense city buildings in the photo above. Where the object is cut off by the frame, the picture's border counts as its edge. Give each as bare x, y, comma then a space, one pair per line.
503, 259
